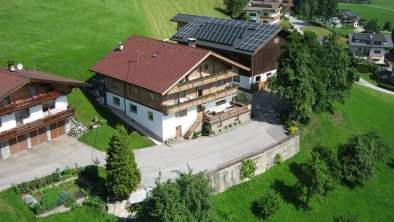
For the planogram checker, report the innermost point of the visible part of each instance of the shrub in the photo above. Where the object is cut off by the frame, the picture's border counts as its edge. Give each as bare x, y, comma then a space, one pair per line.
51, 199
37, 209
230, 125
248, 169
366, 68
95, 202
343, 218
196, 134
241, 97
267, 205
67, 199
293, 129
278, 159
206, 129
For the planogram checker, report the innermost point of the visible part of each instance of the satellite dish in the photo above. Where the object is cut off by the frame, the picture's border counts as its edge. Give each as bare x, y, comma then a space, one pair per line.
19, 66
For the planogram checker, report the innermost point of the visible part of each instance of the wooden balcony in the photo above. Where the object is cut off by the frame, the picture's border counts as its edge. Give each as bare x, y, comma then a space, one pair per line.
28, 102
26, 128
200, 100
236, 110
203, 81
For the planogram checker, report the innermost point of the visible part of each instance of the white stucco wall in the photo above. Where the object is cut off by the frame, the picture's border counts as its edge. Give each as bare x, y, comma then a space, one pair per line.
7, 122
170, 123
35, 114
379, 55
61, 103
110, 97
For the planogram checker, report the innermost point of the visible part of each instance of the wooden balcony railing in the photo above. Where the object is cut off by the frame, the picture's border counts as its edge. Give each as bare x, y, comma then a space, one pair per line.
199, 100
202, 81
28, 102
25, 128
239, 109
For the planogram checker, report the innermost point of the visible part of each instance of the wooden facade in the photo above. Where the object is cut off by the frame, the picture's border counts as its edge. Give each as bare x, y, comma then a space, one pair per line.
211, 76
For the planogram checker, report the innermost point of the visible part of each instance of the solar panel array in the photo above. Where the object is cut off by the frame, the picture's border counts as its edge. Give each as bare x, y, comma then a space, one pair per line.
261, 35
215, 32
227, 31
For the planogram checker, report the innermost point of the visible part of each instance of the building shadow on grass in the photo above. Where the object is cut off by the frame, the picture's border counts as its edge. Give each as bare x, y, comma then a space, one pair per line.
222, 10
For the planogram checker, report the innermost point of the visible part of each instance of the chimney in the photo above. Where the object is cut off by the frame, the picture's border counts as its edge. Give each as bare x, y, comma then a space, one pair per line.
191, 42
120, 46
11, 66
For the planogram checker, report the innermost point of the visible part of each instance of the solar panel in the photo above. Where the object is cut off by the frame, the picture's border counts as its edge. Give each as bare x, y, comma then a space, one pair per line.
262, 34
228, 31
219, 33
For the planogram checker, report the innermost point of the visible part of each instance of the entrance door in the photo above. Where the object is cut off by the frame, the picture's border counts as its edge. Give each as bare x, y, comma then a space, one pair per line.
178, 131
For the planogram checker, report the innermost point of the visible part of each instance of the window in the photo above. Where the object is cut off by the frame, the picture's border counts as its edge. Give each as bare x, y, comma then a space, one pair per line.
133, 108
199, 91
252, 14
33, 91
21, 115
237, 78
182, 94
221, 102
276, 40
221, 82
206, 66
48, 106
0, 122
150, 115
134, 90
376, 51
258, 78
265, 14
116, 101
181, 113
116, 84
5, 101
151, 96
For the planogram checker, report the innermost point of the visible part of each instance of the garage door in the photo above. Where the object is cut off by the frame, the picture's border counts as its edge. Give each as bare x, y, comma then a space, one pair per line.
54, 133
42, 135
61, 128
22, 143
13, 146
34, 138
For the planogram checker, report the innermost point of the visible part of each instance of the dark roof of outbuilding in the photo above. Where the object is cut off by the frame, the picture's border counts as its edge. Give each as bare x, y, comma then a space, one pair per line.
227, 34
152, 64
11, 81
185, 18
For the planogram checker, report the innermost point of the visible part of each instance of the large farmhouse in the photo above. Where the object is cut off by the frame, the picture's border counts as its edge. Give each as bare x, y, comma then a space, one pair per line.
257, 46
264, 11
33, 109
170, 89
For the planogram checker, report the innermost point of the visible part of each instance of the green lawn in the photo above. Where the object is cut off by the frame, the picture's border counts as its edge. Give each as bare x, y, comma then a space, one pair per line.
373, 202
368, 12
384, 3
66, 38
322, 32
385, 84
158, 13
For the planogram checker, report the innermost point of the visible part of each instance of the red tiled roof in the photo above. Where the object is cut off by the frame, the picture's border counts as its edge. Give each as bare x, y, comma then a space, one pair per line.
152, 64
9, 81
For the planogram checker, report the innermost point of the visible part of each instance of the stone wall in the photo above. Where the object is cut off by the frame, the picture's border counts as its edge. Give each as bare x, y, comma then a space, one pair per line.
228, 174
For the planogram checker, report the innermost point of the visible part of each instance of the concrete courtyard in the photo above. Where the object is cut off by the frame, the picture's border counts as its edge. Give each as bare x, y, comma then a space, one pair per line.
206, 153
43, 159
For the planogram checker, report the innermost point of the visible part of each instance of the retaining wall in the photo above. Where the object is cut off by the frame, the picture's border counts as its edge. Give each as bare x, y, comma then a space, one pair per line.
228, 174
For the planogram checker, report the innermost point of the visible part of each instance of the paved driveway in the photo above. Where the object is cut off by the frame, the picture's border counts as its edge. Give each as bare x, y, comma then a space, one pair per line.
206, 153
43, 159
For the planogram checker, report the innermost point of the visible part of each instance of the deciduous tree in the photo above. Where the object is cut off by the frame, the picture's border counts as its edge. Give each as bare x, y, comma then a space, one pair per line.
188, 198
235, 7
123, 176
387, 26
372, 26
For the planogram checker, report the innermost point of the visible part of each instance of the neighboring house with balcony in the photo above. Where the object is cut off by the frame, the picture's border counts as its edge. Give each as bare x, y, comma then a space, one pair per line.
254, 45
370, 46
170, 89
264, 11
348, 18
33, 109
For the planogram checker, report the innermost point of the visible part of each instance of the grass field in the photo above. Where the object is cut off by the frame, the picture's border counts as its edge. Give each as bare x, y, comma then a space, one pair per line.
373, 202
369, 12
158, 13
322, 32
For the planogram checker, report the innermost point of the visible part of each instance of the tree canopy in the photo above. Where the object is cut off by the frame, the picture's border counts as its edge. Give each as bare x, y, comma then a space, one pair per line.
359, 156
188, 198
315, 8
372, 26
313, 76
123, 176
235, 7
387, 26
